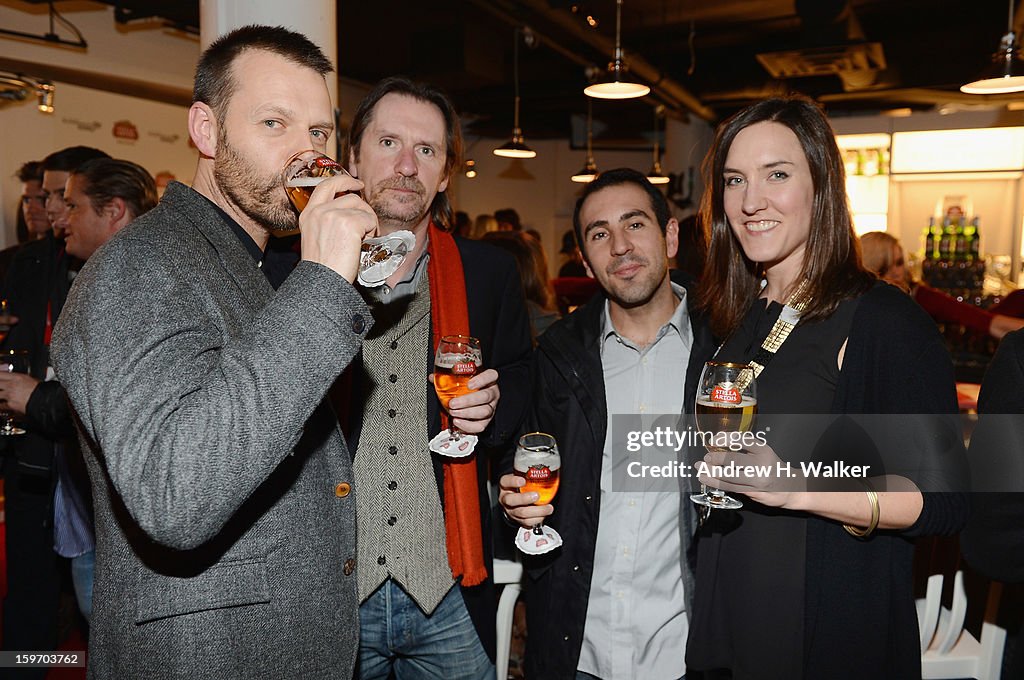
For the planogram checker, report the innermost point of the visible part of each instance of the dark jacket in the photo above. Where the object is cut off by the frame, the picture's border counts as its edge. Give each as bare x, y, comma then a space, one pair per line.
38, 277
498, 318
993, 541
568, 401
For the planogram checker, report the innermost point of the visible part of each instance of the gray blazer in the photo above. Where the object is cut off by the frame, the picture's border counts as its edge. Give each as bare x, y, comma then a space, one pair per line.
225, 524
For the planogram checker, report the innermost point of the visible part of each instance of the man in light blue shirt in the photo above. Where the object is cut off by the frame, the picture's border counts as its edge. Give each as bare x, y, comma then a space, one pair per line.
612, 601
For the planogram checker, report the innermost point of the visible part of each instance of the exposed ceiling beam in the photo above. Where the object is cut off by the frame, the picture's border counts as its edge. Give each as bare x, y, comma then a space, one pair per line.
673, 91
99, 81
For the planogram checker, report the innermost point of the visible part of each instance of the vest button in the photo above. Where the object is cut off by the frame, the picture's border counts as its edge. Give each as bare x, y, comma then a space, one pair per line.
393, 450
393, 378
392, 485
350, 566
394, 344
381, 560
392, 521
392, 412
342, 489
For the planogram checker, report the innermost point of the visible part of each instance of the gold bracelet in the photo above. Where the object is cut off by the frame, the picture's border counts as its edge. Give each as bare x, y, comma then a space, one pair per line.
875, 512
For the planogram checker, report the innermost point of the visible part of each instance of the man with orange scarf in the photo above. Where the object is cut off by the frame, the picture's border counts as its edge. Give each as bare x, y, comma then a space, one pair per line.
427, 601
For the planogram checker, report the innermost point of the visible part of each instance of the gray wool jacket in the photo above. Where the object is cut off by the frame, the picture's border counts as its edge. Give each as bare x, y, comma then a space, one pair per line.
225, 523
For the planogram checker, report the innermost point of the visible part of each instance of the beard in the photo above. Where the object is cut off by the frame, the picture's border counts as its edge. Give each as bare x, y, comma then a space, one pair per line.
399, 209
260, 197
638, 290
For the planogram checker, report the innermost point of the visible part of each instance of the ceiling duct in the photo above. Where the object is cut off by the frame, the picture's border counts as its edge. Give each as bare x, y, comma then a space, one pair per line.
833, 44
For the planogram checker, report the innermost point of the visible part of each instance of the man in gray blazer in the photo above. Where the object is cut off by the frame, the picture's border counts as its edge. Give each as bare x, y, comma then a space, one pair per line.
225, 515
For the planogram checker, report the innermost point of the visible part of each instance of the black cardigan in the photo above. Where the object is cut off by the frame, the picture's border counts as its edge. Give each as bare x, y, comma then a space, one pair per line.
859, 616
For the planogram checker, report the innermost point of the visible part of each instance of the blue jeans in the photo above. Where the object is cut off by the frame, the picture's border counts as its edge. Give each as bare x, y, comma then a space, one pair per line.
397, 637
82, 569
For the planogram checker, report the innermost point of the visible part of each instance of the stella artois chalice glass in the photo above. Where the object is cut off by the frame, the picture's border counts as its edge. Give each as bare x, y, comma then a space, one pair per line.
458, 358
381, 255
726, 403
537, 461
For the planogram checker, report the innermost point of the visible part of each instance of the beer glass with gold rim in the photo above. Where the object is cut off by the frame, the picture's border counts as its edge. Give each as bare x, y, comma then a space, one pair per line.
381, 256
537, 461
726, 403
458, 358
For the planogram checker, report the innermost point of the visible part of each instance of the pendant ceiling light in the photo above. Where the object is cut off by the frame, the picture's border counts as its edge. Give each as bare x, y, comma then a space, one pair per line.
616, 86
656, 176
516, 148
1006, 72
589, 171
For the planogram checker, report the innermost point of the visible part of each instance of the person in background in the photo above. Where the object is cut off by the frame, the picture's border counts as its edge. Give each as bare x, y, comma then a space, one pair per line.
540, 298
483, 224
800, 582
993, 540
693, 249
572, 260
461, 224
508, 220
31, 223
36, 286
883, 255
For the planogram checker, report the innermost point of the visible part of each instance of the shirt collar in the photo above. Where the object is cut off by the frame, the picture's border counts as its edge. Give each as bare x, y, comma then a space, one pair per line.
679, 321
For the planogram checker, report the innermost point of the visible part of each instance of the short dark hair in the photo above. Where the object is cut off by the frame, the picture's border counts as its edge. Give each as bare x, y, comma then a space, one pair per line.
214, 84
509, 216
831, 264
618, 177
31, 171
68, 160
108, 178
441, 208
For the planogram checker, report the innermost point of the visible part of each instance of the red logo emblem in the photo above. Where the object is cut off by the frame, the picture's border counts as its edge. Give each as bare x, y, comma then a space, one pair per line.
324, 162
725, 395
124, 129
538, 472
464, 368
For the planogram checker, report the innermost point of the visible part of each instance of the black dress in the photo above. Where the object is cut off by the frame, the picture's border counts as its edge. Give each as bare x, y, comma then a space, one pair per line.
749, 603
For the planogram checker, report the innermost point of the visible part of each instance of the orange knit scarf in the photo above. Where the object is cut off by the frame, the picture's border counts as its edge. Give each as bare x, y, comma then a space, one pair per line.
450, 316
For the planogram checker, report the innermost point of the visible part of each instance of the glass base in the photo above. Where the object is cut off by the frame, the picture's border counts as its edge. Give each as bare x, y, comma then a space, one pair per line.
11, 430
382, 256
723, 502
537, 541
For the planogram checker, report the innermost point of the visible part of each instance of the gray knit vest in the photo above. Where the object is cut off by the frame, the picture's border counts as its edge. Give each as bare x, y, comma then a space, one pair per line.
400, 518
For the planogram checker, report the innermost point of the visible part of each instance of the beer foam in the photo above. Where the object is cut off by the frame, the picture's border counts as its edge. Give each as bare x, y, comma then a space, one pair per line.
449, 360
531, 458
305, 181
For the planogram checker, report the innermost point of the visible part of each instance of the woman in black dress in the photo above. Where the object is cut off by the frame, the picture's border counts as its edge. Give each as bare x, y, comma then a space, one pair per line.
802, 583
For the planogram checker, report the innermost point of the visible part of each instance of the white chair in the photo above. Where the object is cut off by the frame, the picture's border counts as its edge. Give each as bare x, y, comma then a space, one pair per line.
947, 649
510, 574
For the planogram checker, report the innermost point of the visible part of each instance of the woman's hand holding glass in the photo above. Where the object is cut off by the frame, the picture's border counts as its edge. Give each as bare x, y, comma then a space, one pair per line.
774, 490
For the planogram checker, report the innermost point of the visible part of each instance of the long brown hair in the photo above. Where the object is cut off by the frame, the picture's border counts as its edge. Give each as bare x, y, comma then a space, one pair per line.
831, 266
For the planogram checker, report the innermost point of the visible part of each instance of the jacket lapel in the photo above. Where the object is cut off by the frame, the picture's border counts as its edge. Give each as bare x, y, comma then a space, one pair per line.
236, 260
